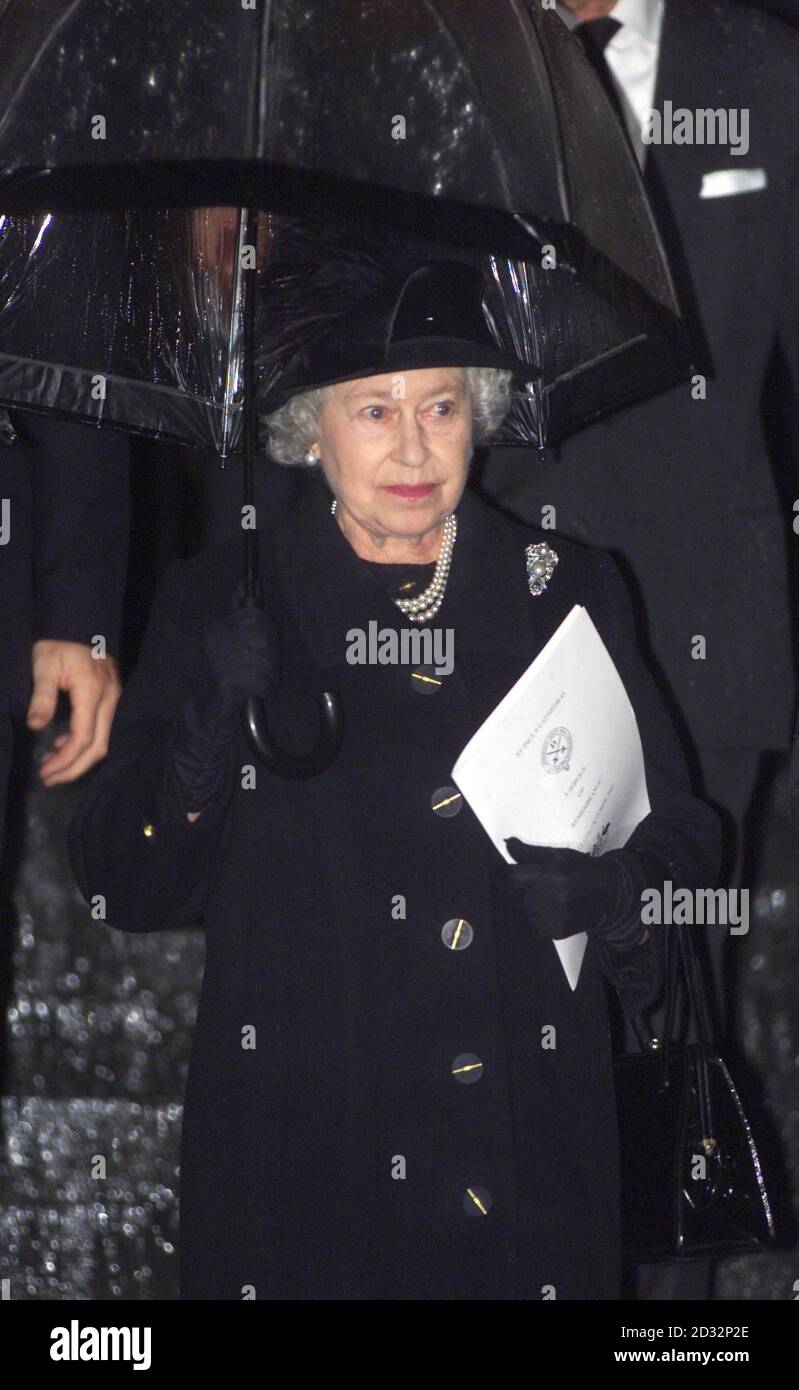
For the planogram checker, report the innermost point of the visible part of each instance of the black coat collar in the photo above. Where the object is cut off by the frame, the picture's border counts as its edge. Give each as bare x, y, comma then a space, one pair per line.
329, 590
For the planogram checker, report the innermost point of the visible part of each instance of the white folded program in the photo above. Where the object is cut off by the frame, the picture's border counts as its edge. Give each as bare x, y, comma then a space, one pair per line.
559, 761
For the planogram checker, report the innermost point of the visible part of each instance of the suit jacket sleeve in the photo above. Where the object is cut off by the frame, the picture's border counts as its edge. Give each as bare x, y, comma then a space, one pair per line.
680, 839
81, 516
156, 880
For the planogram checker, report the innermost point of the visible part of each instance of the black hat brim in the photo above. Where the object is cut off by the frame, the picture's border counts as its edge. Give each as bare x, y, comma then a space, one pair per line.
410, 355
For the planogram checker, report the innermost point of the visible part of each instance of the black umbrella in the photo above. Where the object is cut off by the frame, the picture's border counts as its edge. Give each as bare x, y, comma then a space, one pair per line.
481, 126
453, 120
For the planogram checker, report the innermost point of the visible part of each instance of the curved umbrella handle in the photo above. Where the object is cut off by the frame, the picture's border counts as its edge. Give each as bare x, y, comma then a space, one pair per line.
309, 764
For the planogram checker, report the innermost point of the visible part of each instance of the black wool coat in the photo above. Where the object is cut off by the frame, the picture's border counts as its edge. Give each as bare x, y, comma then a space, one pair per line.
340, 1157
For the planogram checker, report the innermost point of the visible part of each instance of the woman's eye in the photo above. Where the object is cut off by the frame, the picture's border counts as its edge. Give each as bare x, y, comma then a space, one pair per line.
442, 410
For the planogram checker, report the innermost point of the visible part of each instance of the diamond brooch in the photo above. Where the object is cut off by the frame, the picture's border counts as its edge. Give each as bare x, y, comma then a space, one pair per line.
541, 561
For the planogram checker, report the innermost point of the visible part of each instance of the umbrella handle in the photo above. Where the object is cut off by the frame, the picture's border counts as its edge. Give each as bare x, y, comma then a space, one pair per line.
310, 764
317, 759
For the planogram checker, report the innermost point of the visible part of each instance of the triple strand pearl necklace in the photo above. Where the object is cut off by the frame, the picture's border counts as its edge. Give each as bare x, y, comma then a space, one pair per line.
425, 605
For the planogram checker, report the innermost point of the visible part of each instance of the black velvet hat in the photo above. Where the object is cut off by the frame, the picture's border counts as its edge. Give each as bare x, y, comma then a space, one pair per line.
365, 307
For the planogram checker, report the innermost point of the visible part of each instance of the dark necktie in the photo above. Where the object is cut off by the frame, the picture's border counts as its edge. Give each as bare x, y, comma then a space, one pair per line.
595, 35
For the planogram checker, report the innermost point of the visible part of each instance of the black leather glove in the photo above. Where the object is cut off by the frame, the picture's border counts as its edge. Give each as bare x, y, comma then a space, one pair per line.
566, 891
241, 658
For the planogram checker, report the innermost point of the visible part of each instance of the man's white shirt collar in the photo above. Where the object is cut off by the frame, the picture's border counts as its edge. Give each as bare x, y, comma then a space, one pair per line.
644, 16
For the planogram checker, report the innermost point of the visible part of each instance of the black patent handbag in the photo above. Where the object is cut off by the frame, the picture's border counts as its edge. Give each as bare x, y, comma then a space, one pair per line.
691, 1180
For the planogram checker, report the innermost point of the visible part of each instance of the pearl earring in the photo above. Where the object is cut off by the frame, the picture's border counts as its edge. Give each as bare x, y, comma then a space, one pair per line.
333, 506
310, 458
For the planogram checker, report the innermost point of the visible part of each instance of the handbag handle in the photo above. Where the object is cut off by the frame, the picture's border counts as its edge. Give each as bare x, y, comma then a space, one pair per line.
699, 1013
679, 952
682, 966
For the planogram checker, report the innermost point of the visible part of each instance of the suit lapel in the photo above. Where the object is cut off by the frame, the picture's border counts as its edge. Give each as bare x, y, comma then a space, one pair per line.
673, 173
684, 78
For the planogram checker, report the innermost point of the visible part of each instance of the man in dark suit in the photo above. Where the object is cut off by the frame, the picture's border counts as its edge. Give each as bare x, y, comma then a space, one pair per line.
64, 521
681, 487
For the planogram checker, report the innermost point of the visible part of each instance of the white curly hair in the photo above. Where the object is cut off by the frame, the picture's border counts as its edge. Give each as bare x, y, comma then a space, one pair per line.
291, 430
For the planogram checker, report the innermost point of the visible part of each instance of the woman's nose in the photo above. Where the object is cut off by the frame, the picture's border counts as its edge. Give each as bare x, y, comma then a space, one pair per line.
411, 447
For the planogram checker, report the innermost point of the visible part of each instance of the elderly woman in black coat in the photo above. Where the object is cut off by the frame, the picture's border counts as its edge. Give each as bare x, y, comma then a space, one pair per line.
375, 1108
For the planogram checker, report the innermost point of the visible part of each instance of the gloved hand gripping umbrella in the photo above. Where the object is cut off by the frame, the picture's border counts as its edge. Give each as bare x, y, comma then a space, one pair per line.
483, 126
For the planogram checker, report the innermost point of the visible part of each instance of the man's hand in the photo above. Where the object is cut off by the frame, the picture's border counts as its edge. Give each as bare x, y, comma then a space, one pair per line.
93, 687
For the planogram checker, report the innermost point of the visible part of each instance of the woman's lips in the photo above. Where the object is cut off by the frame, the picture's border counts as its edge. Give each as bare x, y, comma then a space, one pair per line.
411, 489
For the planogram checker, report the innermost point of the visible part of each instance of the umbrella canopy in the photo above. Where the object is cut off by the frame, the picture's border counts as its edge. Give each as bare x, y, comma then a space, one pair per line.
464, 124
445, 111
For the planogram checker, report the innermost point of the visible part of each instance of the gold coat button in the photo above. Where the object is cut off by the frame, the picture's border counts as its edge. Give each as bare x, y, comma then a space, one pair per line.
148, 830
477, 1201
447, 801
467, 1068
457, 934
426, 681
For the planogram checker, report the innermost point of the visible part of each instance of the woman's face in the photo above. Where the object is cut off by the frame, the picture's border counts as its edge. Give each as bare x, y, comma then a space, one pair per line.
395, 449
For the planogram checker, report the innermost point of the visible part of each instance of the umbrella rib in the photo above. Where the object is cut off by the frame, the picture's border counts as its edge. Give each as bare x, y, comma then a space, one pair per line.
563, 181
259, 113
52, 33
588, 362
434, 9
126, 381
